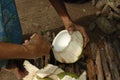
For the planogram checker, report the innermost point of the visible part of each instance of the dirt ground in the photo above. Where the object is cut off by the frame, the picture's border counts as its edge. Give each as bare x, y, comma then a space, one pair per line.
38, 15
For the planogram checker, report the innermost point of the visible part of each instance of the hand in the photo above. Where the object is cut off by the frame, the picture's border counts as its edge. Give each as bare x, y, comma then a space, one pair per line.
38, 46
74, 27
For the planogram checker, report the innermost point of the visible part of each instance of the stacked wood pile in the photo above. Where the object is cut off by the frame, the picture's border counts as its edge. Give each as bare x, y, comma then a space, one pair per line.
108, 15
104, 60
109, 7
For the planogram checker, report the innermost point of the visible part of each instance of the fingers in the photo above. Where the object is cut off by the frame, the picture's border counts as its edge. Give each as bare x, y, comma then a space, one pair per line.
26, 42
85, 36
86, 40
70, 30
75, 27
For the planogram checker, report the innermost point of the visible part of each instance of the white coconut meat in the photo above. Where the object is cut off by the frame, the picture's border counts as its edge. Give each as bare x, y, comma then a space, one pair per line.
67, 48
68, 78
47, 70
29, 67
83, 76
31, 70
54, 75
34, 72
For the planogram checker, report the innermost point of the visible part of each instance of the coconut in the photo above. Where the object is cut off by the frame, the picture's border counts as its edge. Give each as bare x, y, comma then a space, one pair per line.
44, 78
29, 67
83, 76
67, 48
47, 70
67, 76
54, 75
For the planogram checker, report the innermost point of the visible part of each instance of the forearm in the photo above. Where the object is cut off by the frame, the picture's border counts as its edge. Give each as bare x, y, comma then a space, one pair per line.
12, 51
61, 10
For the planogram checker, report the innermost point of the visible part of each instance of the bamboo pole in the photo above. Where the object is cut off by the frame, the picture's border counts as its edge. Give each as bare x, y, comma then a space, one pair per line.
100, 75
110, 58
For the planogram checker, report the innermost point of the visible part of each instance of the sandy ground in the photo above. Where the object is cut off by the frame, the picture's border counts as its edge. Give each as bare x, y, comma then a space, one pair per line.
37, 15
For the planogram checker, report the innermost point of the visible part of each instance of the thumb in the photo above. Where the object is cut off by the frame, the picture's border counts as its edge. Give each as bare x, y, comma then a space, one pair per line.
70, 30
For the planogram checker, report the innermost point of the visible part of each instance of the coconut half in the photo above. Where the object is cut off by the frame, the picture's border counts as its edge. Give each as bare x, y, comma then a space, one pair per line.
35, 73
67, 76
67, 48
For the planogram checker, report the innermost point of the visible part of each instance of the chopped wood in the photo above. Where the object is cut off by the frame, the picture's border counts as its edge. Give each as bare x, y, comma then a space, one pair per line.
91, 70
113, 15
113, 6
100, 75
100, 4
93, 50
47, 58
117, 48
106, 10
105, 65
112, 65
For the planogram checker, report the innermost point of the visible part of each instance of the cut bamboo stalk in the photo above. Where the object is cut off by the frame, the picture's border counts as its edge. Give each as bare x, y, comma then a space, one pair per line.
93, 50
91, 70
77, 68
110, 57
117, 49
105, 65
100, 75
47, 58
113, 6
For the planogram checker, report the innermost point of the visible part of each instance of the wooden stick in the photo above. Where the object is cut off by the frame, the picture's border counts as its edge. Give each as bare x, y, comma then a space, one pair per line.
93, 50
117, 49
91, 70
112, 5
105, 65
90, 64
100, 75
110, 57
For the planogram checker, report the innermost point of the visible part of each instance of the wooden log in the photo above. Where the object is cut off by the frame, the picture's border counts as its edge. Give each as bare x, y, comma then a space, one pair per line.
47, 58
113, 6
100, 75
105, 65
91, 71
93, 47
117, 48
116, 52
112, 65
100, 4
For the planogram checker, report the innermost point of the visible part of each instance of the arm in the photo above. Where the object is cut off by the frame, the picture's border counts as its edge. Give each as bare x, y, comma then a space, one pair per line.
62, 12
34, 48
11, 51
69, 24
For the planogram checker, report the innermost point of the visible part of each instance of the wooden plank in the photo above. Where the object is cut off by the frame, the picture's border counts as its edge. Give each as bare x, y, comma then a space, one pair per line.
105, 65
100, 75
91, 72
117, 53
93, 47
117, 48
110, 58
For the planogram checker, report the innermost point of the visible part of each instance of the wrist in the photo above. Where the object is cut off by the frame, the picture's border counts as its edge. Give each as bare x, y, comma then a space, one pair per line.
67, 21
